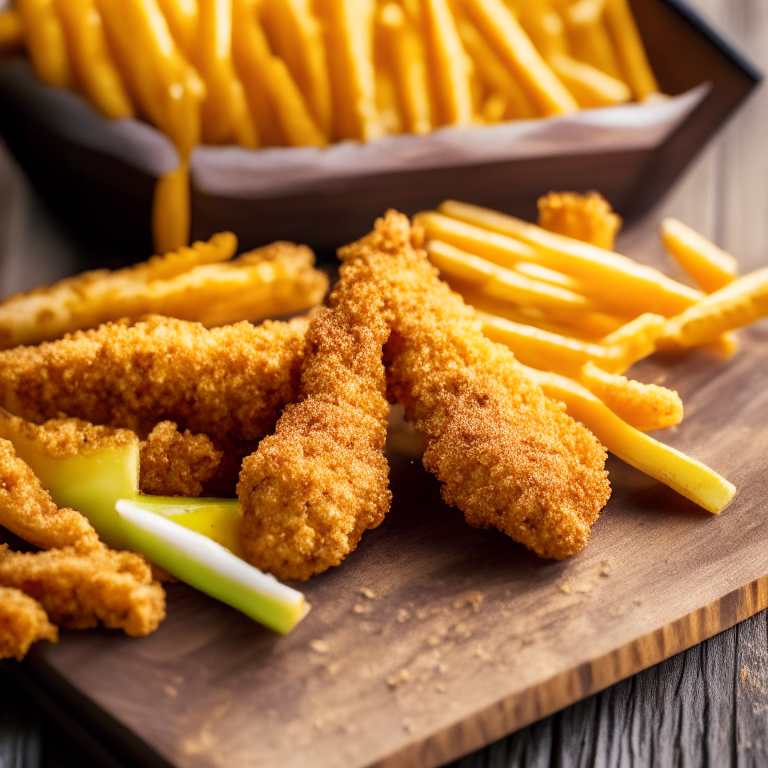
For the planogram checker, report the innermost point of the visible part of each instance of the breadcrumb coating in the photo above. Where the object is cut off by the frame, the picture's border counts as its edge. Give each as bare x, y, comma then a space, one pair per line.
507, 456
312, 489
175, 463
23, 622
28, 510
229, 383
588, 217
77, 590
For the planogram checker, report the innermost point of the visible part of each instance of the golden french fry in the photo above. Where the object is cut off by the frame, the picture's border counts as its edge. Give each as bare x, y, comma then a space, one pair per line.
449, 65
545, 28
623, 285
94, 68
589, 86
295, 36
183, 21
738, 304
170, 210
646, 407
493, 108
348, 26
726, 345
588, 217
690, 478
588, 36
710, 267
551, 276
45, 41
387, 101
648, 325
630, 49
11, 31
493, 73
408, 56
506, 36
266, 75
562, 354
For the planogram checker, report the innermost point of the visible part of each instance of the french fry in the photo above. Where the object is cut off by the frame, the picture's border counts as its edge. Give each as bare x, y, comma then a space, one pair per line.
547, 275
630, 49
726, 345
183, 21
94, 68
11, 31
544, 27
562, 354
264, 74
295, 36
648, 324
225, 115
506, 36
646, 407
170, 209
588, 36
623, 285
45, 41
449, 66
588, 217
690, 478
589, 86
738, 304
348, 28
493, 73
502, 283
406, 49
709, 266
387, 101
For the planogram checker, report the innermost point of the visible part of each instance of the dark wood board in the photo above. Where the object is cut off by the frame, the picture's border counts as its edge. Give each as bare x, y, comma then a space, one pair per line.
491, 637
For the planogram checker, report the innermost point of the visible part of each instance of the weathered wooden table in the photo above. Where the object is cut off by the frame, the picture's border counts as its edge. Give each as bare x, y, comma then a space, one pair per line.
706, 706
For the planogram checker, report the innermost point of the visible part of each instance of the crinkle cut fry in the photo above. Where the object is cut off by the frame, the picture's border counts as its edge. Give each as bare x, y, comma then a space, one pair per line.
312, 489
77, 590
507, 456
23, 622
229, 383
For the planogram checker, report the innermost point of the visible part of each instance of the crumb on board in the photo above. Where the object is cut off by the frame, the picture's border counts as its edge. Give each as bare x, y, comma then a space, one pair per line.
402, 615
605, 568
396, 680
171, 691
422, 614
319, 645
743, 674
441, 687
475, 599
369, 593
358, 608
566, 587
409, 725
434, 640
482, 654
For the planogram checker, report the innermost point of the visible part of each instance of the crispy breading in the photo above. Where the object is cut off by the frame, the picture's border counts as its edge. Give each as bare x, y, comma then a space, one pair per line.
175, 463
588, 217
28, 510
23, 621
77, 590
507, 456
229, 383
314, 487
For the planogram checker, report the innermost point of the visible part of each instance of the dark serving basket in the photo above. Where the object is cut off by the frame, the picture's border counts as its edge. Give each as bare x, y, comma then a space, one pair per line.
99, 176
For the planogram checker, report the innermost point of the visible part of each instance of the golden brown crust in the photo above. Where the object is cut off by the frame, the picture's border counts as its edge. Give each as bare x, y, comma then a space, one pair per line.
587, 217
175, 463
507, 456
28, 510
23, 621
78, 590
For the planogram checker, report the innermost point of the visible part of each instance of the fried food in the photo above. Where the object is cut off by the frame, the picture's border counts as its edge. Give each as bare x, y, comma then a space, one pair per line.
588, 217
507, 456
77, 590
175, 463
312, 489
229, 383
28, 510
23, 622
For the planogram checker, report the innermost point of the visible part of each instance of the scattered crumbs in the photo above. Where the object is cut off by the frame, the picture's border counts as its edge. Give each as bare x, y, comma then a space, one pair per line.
475, 599
605, 568
403, 615
660, 379
462, 630
171, 691
743, 674
333, 667
319, 645
434, 640
566, 587
422, 614
442, 667
403, 676
409, 726
440, 687
482, 654
369, 593
362, 608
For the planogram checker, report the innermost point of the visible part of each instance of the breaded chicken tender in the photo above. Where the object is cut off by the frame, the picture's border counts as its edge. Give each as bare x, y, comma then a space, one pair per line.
23, 622
77, 590
175, 463
506, 455
312, 489
28, 510
229, 383
588, 217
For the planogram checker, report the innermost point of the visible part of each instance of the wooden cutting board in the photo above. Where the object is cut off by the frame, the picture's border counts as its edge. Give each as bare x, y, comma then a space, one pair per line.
433, 638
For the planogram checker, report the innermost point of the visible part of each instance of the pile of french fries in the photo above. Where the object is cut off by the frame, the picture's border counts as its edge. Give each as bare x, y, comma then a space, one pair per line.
578, 315
309, 72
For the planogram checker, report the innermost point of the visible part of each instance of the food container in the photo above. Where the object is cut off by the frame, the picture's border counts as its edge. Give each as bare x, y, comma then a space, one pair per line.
99, 175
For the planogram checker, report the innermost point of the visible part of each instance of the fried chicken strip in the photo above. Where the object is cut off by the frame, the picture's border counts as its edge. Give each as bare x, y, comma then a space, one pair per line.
23, 622
77, 590
312, 489
507, 456
229, 383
